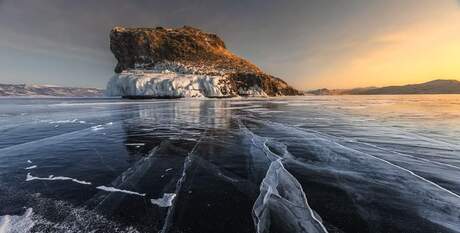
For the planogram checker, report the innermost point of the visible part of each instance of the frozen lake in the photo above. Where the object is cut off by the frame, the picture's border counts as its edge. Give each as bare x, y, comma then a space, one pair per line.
281, 165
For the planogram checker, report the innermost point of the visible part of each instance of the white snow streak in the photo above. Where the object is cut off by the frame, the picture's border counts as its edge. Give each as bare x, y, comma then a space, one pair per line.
52, 177
31, 167
112, 189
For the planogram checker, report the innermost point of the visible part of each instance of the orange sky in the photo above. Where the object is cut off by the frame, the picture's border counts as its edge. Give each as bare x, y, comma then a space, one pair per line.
417, 52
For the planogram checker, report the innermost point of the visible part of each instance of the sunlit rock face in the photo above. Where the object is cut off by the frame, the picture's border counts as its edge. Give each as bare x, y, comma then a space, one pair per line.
184, 62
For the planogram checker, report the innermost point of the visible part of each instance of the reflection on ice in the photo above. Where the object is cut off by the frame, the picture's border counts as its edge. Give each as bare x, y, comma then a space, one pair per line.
193, 113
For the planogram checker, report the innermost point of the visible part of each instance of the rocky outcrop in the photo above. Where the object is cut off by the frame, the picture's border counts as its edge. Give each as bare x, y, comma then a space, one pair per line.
184, 51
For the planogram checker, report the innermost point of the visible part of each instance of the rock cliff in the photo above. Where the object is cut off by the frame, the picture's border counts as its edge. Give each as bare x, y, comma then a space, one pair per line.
182, 62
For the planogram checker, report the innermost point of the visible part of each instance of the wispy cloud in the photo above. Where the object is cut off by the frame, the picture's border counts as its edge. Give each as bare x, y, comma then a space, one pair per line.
47, 47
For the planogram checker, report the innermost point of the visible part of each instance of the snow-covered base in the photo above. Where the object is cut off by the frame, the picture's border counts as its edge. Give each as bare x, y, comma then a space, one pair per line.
171, 84
165, 85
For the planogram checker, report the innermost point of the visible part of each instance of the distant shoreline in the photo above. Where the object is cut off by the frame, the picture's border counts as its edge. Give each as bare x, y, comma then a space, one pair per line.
435, 87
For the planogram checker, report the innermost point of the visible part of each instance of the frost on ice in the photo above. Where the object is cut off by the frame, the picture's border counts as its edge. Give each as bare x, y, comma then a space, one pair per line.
17, 223
165, 201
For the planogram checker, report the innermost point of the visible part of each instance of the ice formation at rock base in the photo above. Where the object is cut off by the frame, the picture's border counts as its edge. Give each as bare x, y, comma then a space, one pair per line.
165, 84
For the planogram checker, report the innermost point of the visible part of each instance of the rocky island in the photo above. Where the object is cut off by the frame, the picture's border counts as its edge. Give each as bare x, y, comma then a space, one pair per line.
184, 62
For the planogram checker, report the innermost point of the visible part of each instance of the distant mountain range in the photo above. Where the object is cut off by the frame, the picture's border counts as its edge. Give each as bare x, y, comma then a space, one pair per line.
47, 90
440, 86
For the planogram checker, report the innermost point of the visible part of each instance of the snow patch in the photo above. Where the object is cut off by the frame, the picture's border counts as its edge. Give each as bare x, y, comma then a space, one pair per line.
52, 177
31, 167
135, 144
112, 189
73, 121
165, 201
97, 127
100, 127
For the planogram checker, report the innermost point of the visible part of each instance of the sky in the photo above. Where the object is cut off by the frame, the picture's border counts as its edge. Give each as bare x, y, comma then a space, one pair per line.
308, 43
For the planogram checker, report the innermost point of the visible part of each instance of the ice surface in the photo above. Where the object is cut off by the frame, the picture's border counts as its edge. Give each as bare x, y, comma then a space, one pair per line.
381, 171
135, 144
52, 177
165, 201
17, 223
112, 189
431, 201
